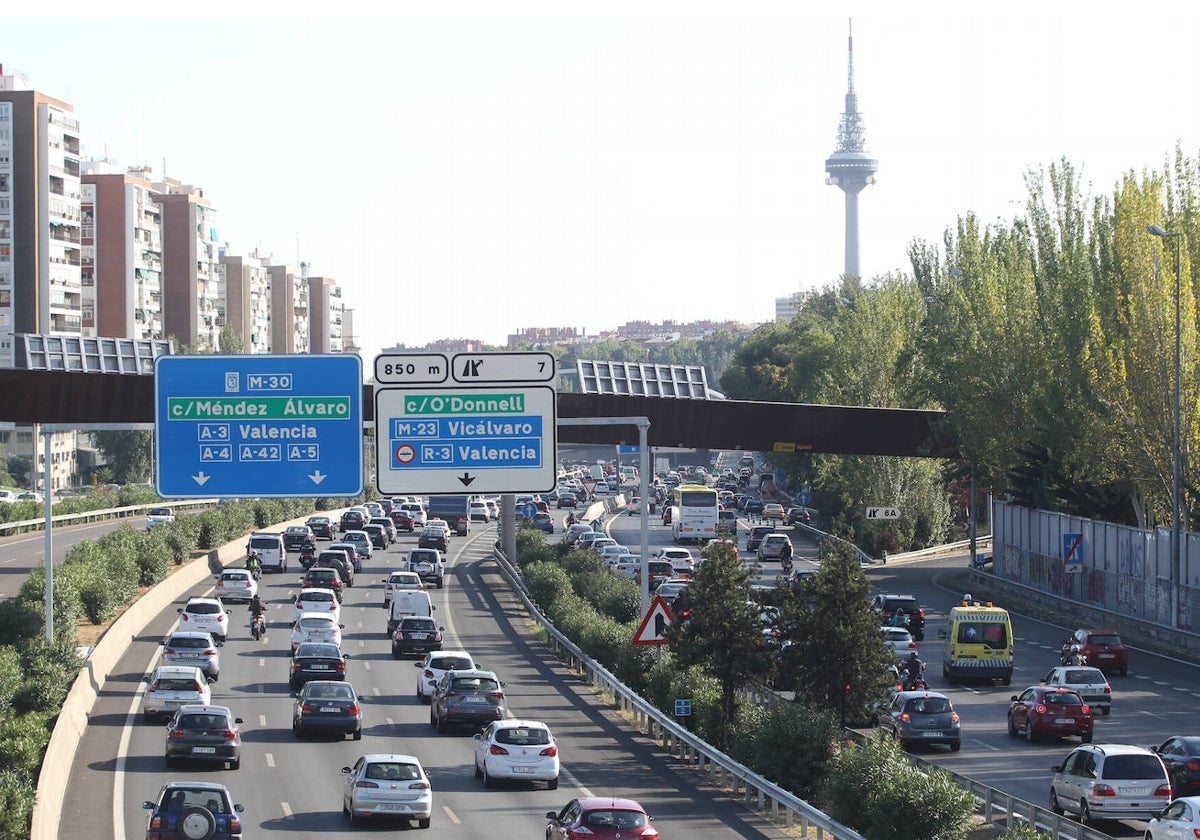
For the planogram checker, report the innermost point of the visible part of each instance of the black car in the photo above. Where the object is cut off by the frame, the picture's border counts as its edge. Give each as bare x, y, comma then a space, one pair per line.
755, 536
352, 520
319, 577
474, 698
567, 500
204, 733
329, 707
377, 536
415, 635
295, 536
886, 606
544, 521
1181, 755
322, 526
432, 538
335, 560
316, 661
752, 506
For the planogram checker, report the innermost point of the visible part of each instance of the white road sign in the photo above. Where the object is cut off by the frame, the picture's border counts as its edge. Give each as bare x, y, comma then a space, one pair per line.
883, 513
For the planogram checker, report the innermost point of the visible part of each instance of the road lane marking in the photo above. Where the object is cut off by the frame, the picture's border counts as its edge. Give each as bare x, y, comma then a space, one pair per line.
287, 810
450, 815
123, 749
262, 720
270, 760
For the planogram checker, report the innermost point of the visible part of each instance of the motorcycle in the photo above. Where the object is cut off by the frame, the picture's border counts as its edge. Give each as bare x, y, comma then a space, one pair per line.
1075, 659
786, 565
254, 564
308, 553
258, 626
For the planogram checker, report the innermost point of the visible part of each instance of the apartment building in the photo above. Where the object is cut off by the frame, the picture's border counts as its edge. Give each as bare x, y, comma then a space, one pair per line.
328, 311
193, 294
289, 309
40, 253
247, 284
122, 254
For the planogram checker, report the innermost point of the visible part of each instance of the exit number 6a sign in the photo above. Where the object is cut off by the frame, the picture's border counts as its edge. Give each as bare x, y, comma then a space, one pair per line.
883, 513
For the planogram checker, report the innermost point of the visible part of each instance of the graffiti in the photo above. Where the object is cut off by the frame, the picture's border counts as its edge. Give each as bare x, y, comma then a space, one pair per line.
1131, 558
1095, 586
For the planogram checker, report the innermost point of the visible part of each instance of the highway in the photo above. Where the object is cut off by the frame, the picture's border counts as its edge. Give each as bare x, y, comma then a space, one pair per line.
21, 553
293, 789
1157, 699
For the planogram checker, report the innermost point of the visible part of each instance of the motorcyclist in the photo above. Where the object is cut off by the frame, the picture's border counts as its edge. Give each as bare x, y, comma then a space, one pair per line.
785, 558
571, 520
1075, 656
901, 619
914, 669
257, 607
254, 564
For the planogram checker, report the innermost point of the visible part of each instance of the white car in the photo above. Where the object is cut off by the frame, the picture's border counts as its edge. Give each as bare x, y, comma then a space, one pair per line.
159, 516
313, 600
316, 627
597, 545
360, 540
1086, 681
613, 553
172, 686
437, 663
588, 537
236, 585
493, 509
899, 640
629, 566
207, 614
516, 749
397, 581
387, 786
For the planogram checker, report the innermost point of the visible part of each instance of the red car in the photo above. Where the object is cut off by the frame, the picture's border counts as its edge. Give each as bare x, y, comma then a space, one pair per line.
1102, 649
1044, 710
600, 818
403, 520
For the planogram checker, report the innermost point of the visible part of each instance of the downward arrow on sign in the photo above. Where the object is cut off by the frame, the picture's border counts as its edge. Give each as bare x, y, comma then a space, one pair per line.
317, 477
466, 479
201, 478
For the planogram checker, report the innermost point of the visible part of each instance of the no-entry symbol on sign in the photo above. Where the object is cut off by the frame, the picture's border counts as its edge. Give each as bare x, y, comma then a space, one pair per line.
405, 453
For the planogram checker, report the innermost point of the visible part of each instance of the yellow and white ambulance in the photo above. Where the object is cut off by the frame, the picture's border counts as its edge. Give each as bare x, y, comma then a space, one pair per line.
977, 644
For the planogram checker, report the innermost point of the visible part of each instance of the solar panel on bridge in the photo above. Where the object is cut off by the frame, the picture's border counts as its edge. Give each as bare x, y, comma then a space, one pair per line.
643, 380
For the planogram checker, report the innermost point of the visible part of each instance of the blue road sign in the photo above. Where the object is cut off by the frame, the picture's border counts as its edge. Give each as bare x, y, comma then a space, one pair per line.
683, 708
528, 510
802, 498
232, 426
629, 450
1073, 552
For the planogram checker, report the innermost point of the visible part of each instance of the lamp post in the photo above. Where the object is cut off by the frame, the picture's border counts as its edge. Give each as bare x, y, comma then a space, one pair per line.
1176, 469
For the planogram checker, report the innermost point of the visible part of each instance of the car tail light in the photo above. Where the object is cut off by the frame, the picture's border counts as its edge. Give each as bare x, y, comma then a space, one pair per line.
184, 617
361, 783
230, 735
156, 822
235, 825
1103, 790
906, 718
1107, 689
210, 652
954, 717
353, 709
921, 613
297, 666
1087, 710
1040, 708
307, 707
1163, 790
196, 686
912, 643
168, 651
580, 831
341, 667
154, 686
419, 786
549, 751
177, 733
220, 617
1192, 766
496, 694
496, 749
451, 693
437, 637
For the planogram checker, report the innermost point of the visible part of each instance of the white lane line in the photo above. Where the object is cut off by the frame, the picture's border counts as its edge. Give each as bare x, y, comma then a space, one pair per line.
450, 815
287, 810
262, 720
123, 750
366, 666
574, 781
270, 760
375, 690
389, 721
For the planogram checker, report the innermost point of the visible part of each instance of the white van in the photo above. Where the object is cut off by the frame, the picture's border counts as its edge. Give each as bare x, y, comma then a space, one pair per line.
407, 602
271, 553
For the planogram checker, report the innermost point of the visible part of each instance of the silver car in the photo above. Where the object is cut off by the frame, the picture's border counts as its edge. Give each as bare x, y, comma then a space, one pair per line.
1110, 782
387, 786
193, 647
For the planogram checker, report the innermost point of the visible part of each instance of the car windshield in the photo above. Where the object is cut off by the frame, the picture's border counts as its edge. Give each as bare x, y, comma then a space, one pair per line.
1063, 698
450, 663
523, 736
476, 684
316, 623
392, 771
1104, 641
176, 684
417, 624
1081, 676
928, 706
329, 691
203, 608
297, 529
321, 650
187, 642
1133, 766
176, 799
203, 721
324, 595
615, 819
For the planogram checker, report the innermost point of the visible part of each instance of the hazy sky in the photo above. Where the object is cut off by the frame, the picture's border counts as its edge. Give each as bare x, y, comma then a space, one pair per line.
584, 165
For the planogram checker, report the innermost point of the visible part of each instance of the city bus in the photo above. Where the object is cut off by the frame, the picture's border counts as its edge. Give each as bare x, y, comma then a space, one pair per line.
694, 517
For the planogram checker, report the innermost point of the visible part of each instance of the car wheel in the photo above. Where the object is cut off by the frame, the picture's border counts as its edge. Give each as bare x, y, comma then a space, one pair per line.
236, 764
478, 772
487, 780
439, 583
1012, 727
358, 734
297, 730
441, 728
1085, 814
955, 746
396, 654
432, 719
1105, 710
196, 823
552, 784
1086, 738
1029, 736
355, 822
1055, 806
423, 823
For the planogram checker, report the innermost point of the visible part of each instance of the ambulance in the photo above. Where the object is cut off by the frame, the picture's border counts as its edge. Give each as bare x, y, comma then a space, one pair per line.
977, 643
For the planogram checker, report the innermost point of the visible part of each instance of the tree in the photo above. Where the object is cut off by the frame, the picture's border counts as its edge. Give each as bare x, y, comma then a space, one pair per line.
724, 635
230, 341
129, 454
838, 658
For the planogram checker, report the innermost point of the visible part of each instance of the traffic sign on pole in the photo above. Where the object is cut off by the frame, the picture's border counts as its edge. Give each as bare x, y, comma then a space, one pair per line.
653, 629
1072, 553
883, 513
471, 423
258, 425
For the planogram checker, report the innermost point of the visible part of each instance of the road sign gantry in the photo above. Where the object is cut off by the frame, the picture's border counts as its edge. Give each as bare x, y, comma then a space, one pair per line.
467, 423
258, 426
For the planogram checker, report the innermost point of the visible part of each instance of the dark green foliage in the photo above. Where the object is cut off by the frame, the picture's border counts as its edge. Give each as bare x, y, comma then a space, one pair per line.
23, 739
789, 743
11, 675
723, 636
50, 668
546, 583
838, 659
128, 454
874, 789
18, 620
17, 794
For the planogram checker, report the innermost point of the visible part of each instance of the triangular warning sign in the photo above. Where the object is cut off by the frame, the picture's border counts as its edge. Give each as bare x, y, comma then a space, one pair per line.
653, 628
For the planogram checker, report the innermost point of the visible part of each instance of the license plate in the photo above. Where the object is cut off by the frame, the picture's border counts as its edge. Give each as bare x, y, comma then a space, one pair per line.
934, 734
1135, 791
474, 701
1064, 720
205, 750
321, 667
1107, 655
391, 807
333, 709
416, 636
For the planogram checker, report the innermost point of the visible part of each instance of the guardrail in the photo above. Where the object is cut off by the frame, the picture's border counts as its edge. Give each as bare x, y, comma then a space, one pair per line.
97, 515
700, 756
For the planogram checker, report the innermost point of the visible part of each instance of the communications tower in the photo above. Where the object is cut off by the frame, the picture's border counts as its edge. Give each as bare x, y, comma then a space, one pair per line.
850, 168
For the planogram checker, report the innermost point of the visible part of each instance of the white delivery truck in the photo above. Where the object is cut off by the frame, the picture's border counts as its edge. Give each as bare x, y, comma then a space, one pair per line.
407, 602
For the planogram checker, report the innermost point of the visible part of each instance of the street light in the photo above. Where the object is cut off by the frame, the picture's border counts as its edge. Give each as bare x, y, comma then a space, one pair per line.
1176, 469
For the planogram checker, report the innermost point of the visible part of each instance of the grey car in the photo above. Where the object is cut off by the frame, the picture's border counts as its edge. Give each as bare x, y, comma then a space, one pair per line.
204, 733
193, 647
1110, 782
328, 707
922, 717
471, 698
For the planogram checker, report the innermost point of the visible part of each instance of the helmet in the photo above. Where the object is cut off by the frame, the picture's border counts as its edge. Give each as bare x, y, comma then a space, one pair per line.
1074, 648
913, 655
967, 597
